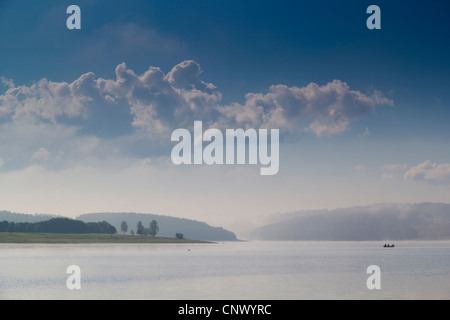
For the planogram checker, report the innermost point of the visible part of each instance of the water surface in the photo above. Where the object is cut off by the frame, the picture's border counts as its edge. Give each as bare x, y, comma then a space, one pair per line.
232, 270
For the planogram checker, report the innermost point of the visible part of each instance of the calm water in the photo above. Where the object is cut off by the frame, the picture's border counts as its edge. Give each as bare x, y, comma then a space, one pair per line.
239, 270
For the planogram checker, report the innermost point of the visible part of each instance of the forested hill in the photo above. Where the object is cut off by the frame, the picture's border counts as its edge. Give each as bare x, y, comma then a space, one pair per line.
424, 221
22, 217
168, 226
58, 225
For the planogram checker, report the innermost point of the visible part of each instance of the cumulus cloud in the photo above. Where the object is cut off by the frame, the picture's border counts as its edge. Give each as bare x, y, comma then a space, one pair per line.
324, 110
93, 116
7, 82
45, 100
429, 171
159, 102
154, 101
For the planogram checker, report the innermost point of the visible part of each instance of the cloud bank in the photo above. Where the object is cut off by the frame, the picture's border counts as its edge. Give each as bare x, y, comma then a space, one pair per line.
160, 102
149, 106
324, 110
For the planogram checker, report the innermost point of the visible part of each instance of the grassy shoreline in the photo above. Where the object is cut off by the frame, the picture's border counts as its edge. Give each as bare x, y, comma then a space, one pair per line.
18, 237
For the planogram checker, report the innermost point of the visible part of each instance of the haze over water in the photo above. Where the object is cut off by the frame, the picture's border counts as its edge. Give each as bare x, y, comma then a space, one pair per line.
232, 270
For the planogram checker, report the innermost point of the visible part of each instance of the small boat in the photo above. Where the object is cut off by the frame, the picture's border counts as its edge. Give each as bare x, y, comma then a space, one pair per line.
389, 246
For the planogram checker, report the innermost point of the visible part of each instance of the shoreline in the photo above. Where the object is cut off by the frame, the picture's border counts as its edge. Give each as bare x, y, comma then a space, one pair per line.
62, 238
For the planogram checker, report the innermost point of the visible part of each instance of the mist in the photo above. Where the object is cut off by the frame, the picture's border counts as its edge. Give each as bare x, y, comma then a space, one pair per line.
424, 221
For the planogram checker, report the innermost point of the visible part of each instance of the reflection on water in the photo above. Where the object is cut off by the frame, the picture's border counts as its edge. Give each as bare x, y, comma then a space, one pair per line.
233, 270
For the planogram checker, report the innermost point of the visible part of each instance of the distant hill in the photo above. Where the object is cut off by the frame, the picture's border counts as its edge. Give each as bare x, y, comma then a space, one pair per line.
22, 217
168, 226
425, 221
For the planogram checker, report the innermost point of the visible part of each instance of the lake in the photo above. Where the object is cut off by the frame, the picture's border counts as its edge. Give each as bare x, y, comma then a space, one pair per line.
232, 270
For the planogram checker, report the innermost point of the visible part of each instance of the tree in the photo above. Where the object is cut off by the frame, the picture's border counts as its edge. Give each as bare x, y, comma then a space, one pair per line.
124, 227
140, 228
154, 229
108, 228
4, 225
179, 235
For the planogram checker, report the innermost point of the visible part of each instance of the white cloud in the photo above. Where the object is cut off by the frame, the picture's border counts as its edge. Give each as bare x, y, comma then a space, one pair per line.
7, 82
46, 100
63, 122
429, 171
40, 155
324, 110
161, 102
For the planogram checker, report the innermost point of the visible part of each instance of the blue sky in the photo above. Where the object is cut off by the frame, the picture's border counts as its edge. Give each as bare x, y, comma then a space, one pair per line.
83, 141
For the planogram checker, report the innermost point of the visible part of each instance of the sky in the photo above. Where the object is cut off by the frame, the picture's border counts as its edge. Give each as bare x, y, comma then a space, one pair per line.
86, 115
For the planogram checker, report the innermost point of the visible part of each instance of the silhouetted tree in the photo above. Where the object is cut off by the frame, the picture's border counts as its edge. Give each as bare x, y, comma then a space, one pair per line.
4, 225
179, 235
124, 227
154, 229
140, 228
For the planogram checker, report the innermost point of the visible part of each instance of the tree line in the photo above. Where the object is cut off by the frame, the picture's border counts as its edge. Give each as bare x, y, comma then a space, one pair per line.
58, 225
152, 230
168, 226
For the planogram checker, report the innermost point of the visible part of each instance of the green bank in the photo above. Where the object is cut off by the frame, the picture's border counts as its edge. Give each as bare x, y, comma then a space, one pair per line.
19, 237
